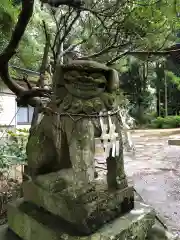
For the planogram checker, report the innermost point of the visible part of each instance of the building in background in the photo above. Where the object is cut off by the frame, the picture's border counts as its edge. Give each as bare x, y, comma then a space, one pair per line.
11, 115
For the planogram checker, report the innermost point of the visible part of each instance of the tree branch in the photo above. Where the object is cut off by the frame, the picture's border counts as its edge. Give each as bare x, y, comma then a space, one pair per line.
103, 51
23, 20
66, 32
172, 51
10, 50
45, 57
70, 48
60, 24
24, 17
155, 53
27, 82
116, 58
69, 27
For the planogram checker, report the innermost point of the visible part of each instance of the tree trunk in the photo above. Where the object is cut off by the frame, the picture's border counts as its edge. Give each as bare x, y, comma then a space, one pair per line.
158, 103
165, 97
41, 78
58, 81
44, 64
60, 59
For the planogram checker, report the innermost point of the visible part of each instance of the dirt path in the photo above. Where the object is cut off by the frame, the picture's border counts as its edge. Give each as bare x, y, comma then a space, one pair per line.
155, 171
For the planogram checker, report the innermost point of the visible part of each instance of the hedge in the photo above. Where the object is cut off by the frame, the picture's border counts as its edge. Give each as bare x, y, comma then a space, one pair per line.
166, 122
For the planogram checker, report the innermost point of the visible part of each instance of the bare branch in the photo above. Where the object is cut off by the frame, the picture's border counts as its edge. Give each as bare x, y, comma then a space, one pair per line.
103, 51
67, 31
45, 57
168, 51
53, 13
117, 58
26, 81
25, 97
164, 42
70, 27
24, 17
70, 48
60, 24
47, 35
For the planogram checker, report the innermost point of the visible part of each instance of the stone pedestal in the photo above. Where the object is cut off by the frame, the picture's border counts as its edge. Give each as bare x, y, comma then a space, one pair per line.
30, 222
87, 209
57, 207
156, 232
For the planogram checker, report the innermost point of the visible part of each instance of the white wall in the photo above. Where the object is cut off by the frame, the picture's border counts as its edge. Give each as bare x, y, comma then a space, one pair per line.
8, 111
27, 127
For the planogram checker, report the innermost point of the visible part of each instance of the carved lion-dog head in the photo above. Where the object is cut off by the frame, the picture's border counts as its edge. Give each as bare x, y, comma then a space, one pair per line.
87, 79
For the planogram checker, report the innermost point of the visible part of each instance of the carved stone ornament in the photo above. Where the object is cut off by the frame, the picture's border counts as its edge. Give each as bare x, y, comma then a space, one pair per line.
61, 150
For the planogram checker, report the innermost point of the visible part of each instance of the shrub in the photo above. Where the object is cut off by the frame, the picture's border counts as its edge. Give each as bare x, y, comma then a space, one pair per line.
13, 151
166, 122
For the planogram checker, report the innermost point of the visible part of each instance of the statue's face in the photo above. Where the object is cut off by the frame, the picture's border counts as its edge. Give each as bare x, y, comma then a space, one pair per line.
85, 85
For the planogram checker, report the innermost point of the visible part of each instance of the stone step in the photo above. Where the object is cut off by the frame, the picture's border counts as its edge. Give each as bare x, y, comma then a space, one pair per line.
30, 223
174, 142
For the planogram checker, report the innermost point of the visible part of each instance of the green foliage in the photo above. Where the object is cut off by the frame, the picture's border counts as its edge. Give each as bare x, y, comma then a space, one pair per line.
167, 122
173, 78
31, 47
120, 26
8, 17
142, 25
30, 50
166, 84
13, 151
134, 82
116, 26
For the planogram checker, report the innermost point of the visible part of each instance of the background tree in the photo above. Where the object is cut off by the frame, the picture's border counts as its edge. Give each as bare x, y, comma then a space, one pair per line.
135, 84
100, 30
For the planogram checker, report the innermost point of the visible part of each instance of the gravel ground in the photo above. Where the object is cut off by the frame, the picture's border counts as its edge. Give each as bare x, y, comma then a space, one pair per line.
155, 171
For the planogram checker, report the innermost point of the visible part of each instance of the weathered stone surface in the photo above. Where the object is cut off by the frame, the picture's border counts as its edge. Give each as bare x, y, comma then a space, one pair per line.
66, 137
7, 234
31, 223
158, 232
174, 142
87, 207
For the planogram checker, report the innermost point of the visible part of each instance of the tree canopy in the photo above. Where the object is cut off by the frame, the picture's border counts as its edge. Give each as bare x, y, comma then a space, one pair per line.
36, 33
105, 30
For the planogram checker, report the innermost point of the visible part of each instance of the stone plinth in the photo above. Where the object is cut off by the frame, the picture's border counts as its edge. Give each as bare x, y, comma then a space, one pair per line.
174, 142
87, 208
30, 223
157, 232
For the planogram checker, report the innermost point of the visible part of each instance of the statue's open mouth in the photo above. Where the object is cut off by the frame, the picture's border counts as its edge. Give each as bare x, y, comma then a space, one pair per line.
84, 85
85, 90
87, 86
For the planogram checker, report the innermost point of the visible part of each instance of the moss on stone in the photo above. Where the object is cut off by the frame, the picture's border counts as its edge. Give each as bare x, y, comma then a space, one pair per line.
30, 223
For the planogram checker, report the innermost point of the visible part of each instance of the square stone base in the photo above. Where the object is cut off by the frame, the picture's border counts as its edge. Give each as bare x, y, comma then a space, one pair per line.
31, 223
85, 207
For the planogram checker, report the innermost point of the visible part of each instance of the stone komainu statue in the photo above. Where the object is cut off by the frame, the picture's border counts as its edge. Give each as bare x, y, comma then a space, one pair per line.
61, 150
65, 139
